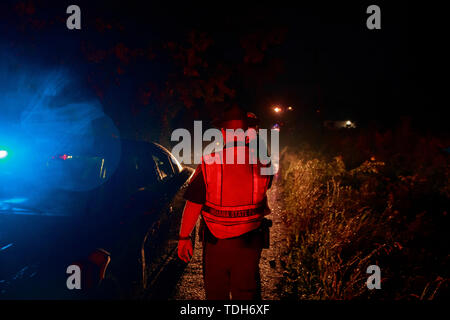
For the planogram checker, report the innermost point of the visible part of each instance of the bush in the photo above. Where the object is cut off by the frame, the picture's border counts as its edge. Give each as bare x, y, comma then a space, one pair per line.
341, 221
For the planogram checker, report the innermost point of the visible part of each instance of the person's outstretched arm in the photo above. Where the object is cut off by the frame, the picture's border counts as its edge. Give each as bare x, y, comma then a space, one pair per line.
188, 221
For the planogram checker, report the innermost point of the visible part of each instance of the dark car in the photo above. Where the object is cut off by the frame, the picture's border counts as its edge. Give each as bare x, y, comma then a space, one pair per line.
111, 207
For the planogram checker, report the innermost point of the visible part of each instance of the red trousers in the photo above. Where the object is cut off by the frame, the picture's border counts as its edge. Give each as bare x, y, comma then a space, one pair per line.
231, 267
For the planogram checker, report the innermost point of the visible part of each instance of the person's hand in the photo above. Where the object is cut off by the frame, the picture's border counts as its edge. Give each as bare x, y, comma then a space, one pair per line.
185, 250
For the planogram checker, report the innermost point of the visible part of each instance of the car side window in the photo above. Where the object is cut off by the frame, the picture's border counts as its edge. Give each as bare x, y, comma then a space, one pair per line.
145, 170
163, 165
137, 171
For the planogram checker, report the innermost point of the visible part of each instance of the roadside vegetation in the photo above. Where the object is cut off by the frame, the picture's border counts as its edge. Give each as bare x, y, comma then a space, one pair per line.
371, 199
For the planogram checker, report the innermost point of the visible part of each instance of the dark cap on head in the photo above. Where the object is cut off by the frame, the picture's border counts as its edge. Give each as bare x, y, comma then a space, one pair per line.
252, 119
232, 118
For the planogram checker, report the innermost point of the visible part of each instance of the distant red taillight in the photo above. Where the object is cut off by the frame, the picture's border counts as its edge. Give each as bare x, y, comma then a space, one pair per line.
62, 157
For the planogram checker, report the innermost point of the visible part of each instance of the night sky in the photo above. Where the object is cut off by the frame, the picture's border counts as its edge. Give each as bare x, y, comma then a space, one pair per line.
325, 62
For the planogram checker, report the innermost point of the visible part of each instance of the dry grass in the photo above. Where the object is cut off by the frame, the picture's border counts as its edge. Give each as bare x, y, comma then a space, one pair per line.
341, 221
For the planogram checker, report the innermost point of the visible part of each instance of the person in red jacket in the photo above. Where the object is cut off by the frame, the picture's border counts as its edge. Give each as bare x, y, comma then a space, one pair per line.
231, 198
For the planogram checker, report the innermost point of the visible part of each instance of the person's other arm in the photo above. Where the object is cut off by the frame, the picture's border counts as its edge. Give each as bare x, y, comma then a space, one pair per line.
189, 220
196, 196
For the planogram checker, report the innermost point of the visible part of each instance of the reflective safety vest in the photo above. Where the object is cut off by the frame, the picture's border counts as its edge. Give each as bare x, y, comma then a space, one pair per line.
236, 198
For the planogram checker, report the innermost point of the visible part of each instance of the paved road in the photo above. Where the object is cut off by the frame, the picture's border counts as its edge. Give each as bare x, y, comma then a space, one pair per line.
190, 285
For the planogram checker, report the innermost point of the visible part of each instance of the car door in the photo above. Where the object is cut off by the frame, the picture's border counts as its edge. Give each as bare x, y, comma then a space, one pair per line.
124, 211
173, 179
157, 246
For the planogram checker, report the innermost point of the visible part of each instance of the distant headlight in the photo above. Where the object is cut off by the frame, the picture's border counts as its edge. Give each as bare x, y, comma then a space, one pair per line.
3, 154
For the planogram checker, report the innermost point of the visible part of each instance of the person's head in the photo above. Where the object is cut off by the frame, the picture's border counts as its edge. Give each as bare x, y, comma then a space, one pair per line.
234, 118
252, 120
